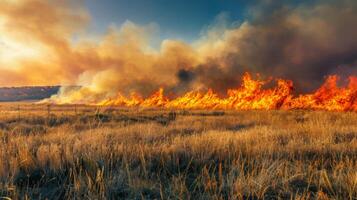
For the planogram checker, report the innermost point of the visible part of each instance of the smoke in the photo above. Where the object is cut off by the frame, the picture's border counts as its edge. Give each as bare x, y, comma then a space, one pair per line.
303, 42
36, 37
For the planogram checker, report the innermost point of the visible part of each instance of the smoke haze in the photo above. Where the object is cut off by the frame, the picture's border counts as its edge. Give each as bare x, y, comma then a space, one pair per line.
47, 43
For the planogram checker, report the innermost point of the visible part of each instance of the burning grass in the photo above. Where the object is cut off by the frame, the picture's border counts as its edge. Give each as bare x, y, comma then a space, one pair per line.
251, 95
158, 154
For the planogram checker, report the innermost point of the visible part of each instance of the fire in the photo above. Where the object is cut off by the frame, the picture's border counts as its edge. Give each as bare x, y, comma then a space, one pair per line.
251, 95
329, 97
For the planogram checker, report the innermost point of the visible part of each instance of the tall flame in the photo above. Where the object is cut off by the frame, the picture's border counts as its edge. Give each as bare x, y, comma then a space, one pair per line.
251, 95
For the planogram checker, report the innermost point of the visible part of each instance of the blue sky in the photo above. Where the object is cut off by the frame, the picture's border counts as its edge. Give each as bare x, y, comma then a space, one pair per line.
179, 19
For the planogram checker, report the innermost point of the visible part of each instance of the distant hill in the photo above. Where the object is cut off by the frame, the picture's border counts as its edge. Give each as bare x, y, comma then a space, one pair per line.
9, 94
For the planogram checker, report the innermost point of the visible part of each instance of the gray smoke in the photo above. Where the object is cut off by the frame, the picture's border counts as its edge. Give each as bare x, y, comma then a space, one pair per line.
303, 42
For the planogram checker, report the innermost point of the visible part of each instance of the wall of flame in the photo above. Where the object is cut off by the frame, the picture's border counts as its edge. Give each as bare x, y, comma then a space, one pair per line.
252, 96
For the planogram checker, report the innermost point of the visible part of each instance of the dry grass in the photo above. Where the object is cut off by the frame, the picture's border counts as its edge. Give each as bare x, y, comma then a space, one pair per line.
121, 154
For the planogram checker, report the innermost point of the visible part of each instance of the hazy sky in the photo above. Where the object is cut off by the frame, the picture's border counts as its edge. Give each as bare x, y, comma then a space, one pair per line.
181, 19
140, 45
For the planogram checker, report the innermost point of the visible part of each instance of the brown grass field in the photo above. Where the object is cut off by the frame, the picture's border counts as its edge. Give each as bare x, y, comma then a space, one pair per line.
82, 152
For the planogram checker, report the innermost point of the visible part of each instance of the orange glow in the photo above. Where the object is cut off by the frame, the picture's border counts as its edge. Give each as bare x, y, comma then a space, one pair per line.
328, 97
251, 96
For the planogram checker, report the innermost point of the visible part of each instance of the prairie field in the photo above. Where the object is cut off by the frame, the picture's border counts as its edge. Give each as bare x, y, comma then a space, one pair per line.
84, 152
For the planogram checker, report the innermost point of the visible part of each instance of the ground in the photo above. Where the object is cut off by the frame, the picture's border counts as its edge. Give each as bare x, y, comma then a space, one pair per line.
83, 152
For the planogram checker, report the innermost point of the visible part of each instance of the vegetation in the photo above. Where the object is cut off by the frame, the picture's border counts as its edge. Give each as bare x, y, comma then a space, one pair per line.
86, 153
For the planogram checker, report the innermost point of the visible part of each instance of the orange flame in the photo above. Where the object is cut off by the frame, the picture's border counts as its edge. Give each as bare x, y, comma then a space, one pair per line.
251, 95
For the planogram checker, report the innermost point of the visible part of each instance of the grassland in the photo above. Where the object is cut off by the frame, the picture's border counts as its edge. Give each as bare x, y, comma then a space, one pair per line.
67, 152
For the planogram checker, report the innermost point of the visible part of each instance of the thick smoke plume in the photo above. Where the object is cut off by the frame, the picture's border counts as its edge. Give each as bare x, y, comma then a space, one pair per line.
303, 42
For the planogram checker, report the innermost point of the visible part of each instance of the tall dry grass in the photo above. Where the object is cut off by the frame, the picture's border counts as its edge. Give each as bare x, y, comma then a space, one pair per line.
190, 155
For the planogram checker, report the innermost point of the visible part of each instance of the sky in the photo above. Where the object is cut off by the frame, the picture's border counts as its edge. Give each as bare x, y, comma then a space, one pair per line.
181, 19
